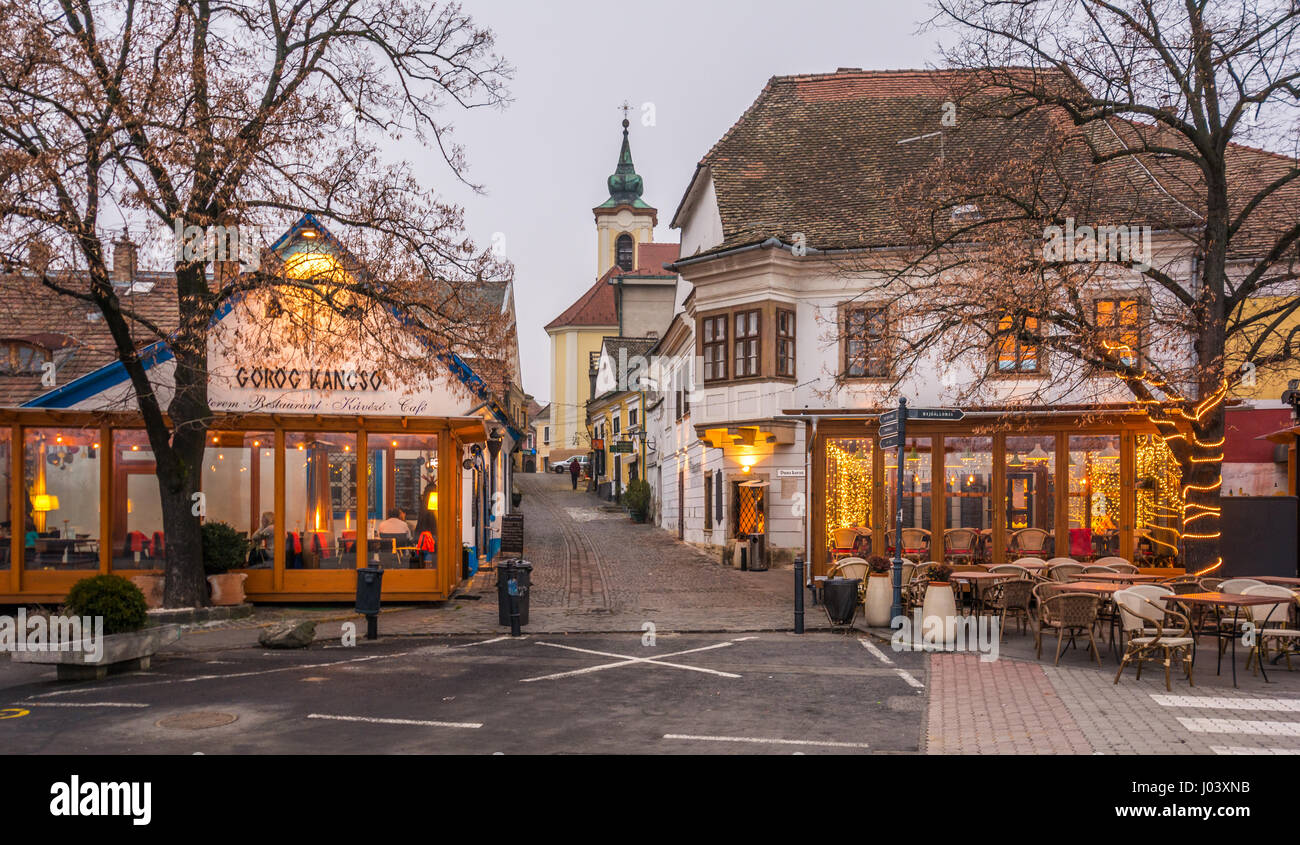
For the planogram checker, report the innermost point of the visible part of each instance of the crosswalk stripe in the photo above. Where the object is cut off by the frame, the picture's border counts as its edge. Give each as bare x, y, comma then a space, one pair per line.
1280, 705
1240, 726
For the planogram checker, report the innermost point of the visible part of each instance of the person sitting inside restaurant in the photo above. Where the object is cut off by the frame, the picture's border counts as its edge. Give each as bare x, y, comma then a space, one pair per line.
395, 528
262, 553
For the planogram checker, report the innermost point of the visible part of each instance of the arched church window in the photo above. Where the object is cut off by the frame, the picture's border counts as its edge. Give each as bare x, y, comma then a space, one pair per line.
623, 253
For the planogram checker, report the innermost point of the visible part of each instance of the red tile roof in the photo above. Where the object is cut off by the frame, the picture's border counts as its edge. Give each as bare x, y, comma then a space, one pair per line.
597, 307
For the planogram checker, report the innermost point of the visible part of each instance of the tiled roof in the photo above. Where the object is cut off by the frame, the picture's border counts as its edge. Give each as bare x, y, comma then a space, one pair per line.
597, 306
31, 311
655, 256
833, 155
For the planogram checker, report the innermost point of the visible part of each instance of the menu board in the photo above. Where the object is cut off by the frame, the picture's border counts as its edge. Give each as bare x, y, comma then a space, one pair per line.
512, 534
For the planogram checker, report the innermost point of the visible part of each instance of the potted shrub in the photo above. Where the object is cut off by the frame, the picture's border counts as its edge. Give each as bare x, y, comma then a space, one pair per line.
152, 587
637, 499
224, 548
939, 603
880, 592
126, 642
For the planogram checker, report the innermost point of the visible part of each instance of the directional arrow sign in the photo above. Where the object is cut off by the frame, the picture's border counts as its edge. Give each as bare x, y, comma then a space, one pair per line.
889, 418
935, 414
890, 441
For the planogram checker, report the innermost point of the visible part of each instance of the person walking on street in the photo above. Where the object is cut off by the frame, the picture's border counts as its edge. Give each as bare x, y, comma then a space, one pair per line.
574, 469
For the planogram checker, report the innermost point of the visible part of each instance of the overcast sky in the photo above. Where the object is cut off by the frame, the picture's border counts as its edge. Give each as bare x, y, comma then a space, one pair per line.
544, 160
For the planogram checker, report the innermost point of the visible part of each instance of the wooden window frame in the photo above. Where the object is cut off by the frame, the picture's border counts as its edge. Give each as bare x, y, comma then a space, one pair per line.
713, 342
786, 352
753, 335
847, 310
764, 337
1120, 298
1040, 365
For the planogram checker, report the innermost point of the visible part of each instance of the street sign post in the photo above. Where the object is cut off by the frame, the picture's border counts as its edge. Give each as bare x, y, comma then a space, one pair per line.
893, 435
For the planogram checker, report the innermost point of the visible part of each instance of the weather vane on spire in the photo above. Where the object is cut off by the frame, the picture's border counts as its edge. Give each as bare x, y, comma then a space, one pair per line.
626, 107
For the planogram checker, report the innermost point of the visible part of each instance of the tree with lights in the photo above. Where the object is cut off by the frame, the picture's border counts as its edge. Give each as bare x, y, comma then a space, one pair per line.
1105, 209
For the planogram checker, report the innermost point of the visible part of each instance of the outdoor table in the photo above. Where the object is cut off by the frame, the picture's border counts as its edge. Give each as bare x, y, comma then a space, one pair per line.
1278, 580
1116, 577
1220, 600
977, 580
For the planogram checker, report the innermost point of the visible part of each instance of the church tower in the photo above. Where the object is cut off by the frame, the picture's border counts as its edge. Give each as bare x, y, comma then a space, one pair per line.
624, 221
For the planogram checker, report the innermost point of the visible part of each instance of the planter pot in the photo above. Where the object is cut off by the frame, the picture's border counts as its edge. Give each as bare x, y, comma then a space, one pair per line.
152, 587
117, 652
939, 602
880, 598
227, 589
516, 498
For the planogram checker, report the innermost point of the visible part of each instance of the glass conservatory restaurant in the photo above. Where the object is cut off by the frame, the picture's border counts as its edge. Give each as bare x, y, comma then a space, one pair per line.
321, 476
1083, 485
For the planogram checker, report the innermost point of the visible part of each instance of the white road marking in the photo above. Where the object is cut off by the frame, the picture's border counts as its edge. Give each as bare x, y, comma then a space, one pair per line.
378, 721
876, 653
767, 740
1282, 705
911, 681
81, 704
1256, 727
493, 640
1246, 749
94, 688
627, 660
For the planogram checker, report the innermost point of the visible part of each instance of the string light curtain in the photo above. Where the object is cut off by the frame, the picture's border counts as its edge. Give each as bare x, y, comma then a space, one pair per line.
848, 484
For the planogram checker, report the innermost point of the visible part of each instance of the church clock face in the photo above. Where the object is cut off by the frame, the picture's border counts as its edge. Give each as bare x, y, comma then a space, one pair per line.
624, 218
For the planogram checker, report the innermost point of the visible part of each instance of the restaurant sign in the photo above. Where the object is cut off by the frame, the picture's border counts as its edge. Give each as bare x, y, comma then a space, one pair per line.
293, 378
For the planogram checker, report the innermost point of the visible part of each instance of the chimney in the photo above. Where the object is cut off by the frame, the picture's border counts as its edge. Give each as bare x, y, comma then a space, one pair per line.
38, 256
124, 260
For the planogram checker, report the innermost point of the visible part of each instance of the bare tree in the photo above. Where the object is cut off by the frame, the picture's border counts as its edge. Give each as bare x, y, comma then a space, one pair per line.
206, 114
1079, 116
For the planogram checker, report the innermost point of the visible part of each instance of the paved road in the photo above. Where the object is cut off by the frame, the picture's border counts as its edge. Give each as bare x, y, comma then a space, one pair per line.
719, 693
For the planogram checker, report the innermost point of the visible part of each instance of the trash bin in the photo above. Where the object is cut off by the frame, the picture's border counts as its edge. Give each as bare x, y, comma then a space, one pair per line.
522, 571
840, 597
369, 587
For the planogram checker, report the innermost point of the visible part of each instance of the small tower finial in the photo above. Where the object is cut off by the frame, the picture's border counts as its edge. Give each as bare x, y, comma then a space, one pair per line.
626, 107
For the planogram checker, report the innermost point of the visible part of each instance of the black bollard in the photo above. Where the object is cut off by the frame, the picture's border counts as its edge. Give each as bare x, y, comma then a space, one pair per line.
512, 587
372, 626
798, 594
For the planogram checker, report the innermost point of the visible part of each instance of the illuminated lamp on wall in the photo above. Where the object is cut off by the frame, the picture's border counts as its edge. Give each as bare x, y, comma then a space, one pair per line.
1037, 454
1110, 453
432, 504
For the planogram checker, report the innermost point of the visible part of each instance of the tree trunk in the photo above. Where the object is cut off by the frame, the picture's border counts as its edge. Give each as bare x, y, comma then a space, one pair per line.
180, 456
1202, 475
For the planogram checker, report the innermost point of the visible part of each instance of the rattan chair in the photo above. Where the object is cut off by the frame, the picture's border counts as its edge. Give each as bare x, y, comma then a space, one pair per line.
1238, 586
1057, 561
960, 543
1010, 597
1021, 561
1028, 541
1097, 568
1118, 564
1139, 615
1271, 622
1064, 571
1061, 610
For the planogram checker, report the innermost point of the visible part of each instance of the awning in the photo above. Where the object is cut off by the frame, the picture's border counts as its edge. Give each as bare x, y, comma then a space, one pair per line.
757, 433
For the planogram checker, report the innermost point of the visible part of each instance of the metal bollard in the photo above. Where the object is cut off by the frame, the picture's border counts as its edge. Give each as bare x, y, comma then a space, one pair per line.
372, 626
512, 587
798, 594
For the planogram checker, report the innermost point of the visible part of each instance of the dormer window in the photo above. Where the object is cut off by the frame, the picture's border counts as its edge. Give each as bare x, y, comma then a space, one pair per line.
623, 255
20, 357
